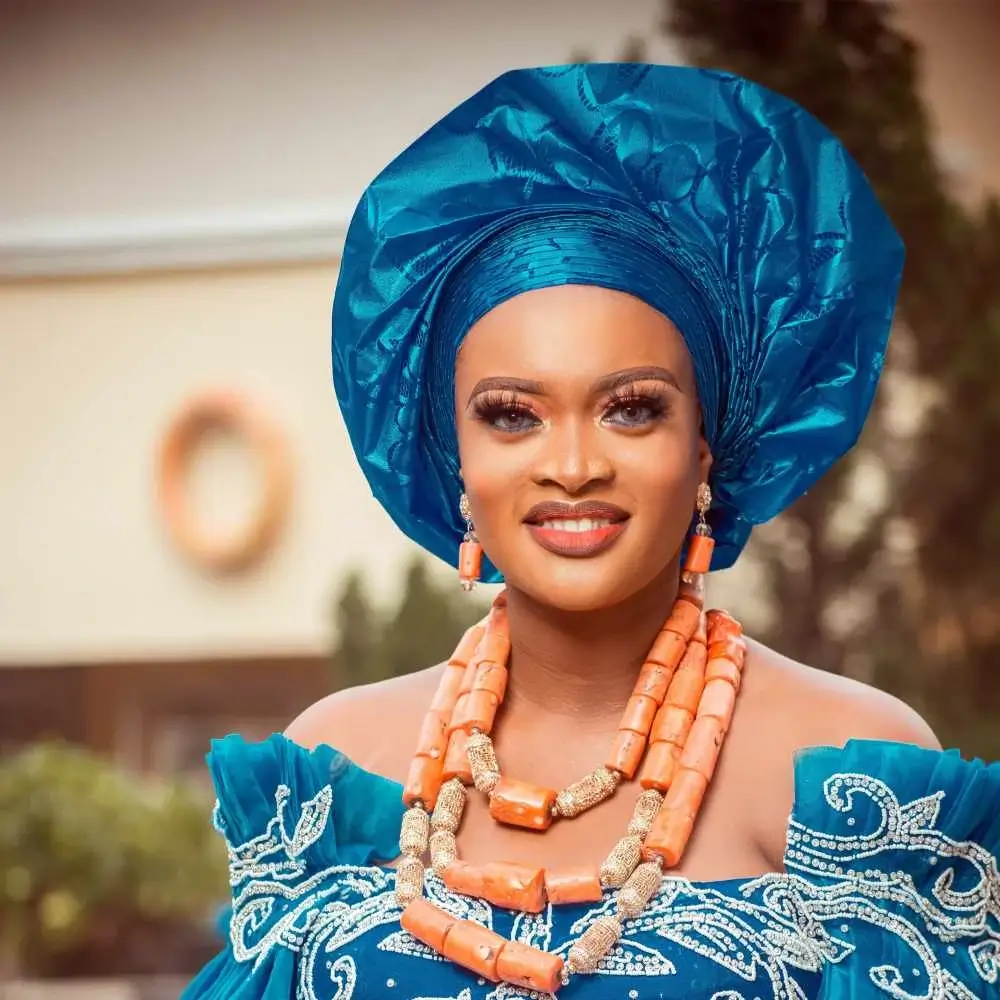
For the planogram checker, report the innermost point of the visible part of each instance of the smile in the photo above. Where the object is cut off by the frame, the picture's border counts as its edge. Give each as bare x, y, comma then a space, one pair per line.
577, 538
580, 525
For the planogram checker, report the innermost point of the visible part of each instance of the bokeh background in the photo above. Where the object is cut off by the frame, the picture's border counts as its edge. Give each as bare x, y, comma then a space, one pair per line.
175, 183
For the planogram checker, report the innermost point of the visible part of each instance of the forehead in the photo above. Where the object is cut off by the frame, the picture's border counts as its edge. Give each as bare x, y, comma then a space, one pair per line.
569, 333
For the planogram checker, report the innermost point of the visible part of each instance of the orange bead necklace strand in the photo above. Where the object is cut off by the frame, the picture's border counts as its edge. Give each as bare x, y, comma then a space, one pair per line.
673, 725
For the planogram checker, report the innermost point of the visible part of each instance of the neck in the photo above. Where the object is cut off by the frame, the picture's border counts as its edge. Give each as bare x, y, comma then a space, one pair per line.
583, 664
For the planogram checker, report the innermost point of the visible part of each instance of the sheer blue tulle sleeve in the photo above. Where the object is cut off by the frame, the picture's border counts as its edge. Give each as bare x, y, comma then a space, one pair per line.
891, 892
894, 849
298, 819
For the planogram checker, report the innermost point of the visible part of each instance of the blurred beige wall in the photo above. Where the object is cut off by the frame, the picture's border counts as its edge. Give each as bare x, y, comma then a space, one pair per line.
129, 115
93, 370
160, 149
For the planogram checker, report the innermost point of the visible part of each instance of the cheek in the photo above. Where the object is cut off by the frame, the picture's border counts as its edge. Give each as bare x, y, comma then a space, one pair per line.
491, 471
661, 474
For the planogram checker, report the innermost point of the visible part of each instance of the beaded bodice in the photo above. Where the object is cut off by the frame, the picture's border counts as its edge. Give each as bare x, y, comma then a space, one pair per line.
891, 889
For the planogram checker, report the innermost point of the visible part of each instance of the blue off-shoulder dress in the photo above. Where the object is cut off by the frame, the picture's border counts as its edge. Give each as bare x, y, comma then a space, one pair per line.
891, 890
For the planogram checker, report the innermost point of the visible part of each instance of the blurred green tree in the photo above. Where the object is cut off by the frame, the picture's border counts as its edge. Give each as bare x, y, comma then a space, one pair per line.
427, 624
101, 873
421, 630
931, 631
355, 621
845, 63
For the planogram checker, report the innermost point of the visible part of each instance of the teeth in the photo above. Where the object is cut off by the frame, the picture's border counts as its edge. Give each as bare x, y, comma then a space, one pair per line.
580, 525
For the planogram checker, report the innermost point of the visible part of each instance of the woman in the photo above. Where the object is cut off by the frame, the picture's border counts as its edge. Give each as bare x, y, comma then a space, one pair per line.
597, 323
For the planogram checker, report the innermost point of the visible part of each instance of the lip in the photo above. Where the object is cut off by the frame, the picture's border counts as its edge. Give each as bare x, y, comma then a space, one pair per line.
575, 543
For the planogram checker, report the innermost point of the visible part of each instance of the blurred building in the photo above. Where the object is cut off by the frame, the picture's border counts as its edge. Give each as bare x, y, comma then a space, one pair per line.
173, 198
177, 182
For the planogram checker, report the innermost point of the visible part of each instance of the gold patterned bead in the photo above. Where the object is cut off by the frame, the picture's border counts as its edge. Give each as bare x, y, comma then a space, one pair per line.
487, 782
621, 862
483, 762
409, 879
594, 943
646, 807
444, 850
415, 831
586, 793
449, 807
641, 887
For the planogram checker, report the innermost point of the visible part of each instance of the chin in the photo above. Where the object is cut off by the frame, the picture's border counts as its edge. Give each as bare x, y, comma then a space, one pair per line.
579, 585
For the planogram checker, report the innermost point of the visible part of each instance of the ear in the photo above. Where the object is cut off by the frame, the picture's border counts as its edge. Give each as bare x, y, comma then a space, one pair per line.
705, 459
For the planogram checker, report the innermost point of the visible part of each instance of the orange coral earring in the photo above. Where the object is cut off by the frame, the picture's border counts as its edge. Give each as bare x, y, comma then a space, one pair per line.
470, 552
700, 548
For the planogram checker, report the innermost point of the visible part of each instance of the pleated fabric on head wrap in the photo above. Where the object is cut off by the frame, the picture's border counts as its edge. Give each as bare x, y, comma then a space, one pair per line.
718, 203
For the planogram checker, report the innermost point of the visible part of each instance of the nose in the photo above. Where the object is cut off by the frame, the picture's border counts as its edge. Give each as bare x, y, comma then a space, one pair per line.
573, 458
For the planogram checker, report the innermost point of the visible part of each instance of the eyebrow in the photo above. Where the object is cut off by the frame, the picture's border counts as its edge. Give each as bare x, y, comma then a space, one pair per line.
503, 383
607, 383
648, 373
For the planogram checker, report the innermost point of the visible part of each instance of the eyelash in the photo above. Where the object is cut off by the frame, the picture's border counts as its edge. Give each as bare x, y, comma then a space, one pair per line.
491, 407
631, 398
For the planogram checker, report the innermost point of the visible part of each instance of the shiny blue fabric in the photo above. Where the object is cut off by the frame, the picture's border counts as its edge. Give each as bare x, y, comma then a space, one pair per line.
891, 890
721, 204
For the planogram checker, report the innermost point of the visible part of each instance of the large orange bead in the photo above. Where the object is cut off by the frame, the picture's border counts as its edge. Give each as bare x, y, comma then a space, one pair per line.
470, 561
685, 690
701, 751
626, 753
653, 681
730, 646
433, 739
494, 648
671, 830
683, 620
719, 668
514, 886
671, 725
427, 923
491, 677
659, 766
687, 791
475, 948
456, 759
423, 781
670, 838
639, 714
475, 710
573, 885
668, 648
718, 701
699, 557
695, 657
721, 623
519, 803
531, 969
465, 879
467, 646
448, 690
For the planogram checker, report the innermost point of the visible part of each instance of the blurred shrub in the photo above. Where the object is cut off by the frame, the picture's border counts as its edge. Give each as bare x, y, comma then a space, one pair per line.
93, 860
423, 628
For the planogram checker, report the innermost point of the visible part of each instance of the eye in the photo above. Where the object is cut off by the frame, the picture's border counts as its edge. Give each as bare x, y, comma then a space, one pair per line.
632, 408
505, 412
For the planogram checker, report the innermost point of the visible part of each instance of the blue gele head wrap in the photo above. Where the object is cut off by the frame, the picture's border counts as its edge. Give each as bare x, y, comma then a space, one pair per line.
720, 204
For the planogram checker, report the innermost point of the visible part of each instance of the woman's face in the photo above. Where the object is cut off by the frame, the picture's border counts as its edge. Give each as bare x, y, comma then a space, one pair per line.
580, 443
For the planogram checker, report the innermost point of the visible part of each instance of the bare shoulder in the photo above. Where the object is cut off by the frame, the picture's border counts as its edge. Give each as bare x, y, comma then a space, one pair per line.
817, 708
375, 725
786, 707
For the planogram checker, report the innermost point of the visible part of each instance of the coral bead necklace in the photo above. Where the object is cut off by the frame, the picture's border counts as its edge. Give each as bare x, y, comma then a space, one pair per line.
670, 734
